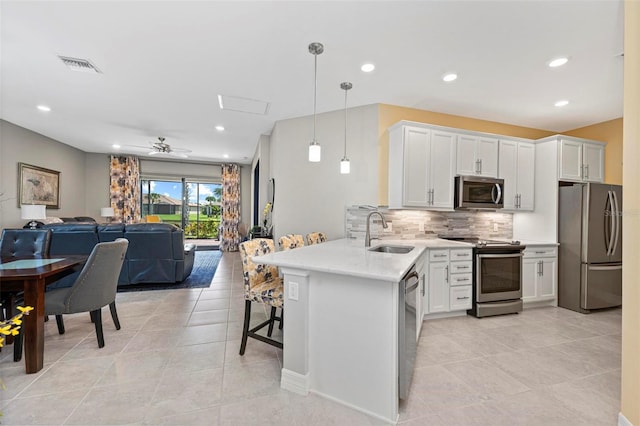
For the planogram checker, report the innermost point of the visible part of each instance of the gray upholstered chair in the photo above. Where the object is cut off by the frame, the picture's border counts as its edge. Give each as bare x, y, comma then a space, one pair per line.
261, 285
94, 288
20, 243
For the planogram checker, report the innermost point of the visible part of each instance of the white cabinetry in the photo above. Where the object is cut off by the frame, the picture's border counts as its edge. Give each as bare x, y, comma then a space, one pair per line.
438, 281
517, 168
477, 156
421, 167
449, 281
539, 274
581, 160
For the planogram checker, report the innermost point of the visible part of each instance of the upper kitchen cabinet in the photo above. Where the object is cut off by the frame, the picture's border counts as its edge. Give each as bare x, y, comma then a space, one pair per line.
517, 168
477, 156
421, 166
581, 160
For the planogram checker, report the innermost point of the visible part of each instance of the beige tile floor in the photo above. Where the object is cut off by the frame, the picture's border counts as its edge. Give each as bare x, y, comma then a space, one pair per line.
175, 361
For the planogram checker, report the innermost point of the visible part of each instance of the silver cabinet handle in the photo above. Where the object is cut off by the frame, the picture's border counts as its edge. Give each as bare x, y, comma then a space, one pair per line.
477, 166
462, 298
463, 279
463, 267
446, 276
480, 160
439, 255
540, 252
422, 290
586, 169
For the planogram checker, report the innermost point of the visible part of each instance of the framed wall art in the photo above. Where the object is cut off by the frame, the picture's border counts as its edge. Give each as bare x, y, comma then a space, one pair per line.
37, 185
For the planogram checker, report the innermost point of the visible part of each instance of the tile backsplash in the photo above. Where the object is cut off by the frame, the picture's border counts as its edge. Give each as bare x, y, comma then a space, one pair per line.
423, 224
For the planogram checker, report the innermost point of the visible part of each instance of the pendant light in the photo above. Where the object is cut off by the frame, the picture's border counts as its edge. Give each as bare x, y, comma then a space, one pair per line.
314, 147
345, 166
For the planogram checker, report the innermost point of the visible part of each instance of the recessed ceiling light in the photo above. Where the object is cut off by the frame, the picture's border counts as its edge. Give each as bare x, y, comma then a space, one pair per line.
368, 67
558, 62
449, 77
44, 108
226, 156
115, 146
220, 128
562, 103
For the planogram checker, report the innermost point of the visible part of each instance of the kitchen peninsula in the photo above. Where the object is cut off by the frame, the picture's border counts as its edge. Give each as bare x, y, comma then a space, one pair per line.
341, 327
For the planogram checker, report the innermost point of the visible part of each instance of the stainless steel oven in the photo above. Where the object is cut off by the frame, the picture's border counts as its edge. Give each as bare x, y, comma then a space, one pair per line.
497, 279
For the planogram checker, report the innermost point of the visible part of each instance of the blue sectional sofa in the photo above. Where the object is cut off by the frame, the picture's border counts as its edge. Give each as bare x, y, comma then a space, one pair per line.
157, 252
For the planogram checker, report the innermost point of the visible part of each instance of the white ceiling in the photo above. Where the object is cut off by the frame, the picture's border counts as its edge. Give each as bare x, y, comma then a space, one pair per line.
163, 64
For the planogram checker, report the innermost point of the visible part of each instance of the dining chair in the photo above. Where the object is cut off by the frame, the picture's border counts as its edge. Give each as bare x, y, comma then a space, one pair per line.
16, 243
263, 285
316, 238
94, 288
290, 241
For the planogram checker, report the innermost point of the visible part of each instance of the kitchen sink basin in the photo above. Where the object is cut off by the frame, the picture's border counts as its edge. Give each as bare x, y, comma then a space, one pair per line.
392, 249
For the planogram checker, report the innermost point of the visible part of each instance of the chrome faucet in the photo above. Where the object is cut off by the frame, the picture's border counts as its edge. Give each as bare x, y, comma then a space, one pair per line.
367, 235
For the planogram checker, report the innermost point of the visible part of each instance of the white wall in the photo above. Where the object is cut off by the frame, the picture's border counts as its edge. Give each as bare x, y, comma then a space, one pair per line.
313, 196
18, 144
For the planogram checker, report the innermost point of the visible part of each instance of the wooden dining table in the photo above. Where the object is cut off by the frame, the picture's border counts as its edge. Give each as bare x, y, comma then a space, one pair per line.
32, 275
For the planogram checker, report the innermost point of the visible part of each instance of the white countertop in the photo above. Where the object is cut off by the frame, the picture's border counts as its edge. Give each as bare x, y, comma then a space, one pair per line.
350, 257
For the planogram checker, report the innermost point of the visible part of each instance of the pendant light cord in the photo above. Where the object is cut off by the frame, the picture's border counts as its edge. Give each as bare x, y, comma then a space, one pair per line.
345, 122
315, 90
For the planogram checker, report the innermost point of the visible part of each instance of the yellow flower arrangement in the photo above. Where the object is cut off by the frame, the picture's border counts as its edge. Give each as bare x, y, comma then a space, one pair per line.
11, 327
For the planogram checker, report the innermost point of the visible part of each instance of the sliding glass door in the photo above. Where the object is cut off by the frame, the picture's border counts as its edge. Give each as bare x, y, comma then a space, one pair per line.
193, 206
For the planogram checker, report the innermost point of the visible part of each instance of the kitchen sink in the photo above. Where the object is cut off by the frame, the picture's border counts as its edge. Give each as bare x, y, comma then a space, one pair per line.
392, 249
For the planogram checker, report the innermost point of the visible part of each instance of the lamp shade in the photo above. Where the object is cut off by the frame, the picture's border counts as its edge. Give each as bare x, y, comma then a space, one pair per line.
107, 212
33, 211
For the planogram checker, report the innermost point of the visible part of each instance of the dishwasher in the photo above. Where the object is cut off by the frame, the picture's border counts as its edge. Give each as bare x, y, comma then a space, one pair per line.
407, 346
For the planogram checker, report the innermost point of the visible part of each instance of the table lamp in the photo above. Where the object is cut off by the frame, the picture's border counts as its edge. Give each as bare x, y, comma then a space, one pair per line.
33, 212
107, 212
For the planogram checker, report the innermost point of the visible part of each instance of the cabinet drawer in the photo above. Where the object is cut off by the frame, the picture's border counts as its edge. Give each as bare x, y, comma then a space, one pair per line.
461, 254
460, 298
461, 267
438, 255
546, 251
461, 279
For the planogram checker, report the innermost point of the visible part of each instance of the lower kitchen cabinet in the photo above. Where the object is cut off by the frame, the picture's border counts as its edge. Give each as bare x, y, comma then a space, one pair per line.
540, 274
438, 282
448, 281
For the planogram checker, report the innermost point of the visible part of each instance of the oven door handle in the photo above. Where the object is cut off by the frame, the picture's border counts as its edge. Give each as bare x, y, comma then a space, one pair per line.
484, 256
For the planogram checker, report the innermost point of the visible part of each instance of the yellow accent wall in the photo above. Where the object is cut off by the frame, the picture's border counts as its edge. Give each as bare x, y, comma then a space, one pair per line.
631, 209
611, 133
391, 114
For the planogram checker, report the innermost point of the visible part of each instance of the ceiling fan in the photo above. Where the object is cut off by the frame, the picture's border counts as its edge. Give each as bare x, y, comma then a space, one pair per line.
162, 148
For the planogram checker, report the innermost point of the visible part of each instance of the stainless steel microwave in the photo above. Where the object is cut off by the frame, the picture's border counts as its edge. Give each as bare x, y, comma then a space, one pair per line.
473, 192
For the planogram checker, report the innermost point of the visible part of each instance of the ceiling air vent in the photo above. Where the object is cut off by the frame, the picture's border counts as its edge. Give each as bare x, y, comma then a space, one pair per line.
76, 64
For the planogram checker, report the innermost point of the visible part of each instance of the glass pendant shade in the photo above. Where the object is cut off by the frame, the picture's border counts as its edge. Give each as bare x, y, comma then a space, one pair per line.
314, 152
345, 166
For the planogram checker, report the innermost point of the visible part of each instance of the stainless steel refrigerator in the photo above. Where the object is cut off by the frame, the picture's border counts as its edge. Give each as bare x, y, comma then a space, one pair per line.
590, 252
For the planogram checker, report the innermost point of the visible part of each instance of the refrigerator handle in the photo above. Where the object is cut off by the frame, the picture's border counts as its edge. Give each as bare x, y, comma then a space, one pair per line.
609, 230
618, 219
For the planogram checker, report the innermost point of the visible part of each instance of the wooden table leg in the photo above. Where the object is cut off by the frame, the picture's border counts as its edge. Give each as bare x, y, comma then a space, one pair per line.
33, 325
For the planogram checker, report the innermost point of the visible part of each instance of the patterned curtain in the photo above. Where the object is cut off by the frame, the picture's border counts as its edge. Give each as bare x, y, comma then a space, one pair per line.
125, 188
229, 236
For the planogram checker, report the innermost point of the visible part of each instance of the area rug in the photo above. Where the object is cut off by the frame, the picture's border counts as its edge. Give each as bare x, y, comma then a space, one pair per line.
204, 268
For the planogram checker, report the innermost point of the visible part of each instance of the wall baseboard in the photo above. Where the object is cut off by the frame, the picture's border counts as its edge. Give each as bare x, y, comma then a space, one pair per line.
622, 420
295, 382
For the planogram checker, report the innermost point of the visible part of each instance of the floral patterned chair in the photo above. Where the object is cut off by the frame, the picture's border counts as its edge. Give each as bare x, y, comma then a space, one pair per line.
316, 238
290, 241
261, 285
